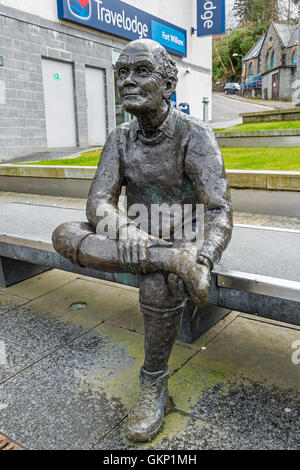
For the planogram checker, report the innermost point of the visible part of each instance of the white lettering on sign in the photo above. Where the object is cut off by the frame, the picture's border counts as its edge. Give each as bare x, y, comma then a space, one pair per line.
121, 20
208, 16
171, 38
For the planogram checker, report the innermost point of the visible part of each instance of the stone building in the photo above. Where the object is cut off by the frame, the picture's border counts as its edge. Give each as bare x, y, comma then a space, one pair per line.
57, 79
270, 67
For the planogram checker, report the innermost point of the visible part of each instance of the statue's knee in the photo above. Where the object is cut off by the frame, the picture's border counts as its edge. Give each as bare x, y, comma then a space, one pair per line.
67, 237
155, 292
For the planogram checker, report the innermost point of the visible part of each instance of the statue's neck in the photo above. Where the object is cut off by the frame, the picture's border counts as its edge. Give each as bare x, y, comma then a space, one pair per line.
150, 121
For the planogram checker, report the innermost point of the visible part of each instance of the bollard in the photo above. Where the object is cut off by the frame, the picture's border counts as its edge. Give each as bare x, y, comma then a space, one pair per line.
205, 108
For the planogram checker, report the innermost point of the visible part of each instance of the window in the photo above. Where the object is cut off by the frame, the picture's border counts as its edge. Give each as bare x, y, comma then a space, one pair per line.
295, 57
270, 60
251, 69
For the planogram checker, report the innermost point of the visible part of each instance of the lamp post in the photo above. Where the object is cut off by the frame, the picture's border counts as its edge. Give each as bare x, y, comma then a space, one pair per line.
297, 2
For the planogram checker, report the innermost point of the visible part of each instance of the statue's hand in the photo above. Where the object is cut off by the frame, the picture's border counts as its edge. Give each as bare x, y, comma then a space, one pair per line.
204, 261
132, 248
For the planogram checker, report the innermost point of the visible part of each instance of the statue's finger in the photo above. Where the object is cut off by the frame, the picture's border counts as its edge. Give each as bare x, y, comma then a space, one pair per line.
135, 253
121, 252
181, 288
127, 251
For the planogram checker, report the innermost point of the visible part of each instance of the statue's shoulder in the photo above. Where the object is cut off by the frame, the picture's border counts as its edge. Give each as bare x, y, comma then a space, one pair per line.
126, 129
191, 125
196, 131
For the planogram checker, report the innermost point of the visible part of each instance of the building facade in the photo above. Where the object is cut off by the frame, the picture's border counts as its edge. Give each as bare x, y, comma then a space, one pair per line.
57, 79
272, 63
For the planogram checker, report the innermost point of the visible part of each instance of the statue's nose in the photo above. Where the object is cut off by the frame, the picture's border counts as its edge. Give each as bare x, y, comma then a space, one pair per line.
129, 79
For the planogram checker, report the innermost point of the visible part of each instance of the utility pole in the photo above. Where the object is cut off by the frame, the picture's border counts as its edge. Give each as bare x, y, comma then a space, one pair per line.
297, 2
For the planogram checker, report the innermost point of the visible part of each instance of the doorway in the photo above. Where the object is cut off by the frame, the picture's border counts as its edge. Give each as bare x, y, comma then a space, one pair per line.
59, 103
275, 86
96, 108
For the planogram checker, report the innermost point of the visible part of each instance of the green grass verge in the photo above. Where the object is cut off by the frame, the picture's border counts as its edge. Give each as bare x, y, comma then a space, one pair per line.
236, 158
86, 159
262, 158
263, 126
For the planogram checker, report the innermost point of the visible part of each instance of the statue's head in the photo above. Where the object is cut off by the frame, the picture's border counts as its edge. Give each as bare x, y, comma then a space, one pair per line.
147, 75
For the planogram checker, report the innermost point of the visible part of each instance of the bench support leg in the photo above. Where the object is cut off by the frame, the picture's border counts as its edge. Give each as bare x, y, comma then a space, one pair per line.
196, 321
13, 271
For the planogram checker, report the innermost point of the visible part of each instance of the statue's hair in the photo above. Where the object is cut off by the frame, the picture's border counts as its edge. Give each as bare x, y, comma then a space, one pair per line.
167, 67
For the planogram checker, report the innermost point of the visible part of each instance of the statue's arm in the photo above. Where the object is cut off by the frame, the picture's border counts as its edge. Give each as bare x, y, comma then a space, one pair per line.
205, 167
107, 184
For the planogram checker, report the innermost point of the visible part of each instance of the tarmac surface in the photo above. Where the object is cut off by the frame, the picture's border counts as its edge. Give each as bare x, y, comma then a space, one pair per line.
71, 348
226, 109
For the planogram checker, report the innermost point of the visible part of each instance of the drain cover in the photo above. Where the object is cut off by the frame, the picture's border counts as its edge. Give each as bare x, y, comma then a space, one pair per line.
8, 444
78, 306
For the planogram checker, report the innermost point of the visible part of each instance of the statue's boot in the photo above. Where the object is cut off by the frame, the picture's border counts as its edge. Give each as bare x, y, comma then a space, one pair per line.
81, 245
146, 416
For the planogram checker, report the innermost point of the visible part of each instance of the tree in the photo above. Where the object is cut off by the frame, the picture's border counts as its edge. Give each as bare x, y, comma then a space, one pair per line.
288, 11
226, 67
256, 11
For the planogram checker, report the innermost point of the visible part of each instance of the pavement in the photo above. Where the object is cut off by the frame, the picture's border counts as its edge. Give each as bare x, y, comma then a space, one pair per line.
71, 348
260, 102
51, 154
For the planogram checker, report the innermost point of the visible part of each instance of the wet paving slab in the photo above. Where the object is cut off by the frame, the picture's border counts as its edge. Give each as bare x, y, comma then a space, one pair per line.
182, 432
69, 376
74, 396
241, 391
246, 384
9, 301
30, 332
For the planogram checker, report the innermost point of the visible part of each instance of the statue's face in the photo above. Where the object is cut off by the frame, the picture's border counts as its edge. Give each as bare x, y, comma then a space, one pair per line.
140, 86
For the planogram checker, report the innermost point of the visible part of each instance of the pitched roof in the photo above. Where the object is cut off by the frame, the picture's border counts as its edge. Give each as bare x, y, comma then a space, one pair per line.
287, 33
255, 51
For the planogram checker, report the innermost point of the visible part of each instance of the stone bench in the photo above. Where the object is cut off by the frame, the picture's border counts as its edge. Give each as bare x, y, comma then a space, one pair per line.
259, 273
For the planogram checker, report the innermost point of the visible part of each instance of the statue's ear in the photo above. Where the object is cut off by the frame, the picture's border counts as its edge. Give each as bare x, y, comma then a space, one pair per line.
170, 87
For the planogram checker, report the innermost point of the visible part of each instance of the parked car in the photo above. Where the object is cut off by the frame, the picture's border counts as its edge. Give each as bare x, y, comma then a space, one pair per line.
232, 88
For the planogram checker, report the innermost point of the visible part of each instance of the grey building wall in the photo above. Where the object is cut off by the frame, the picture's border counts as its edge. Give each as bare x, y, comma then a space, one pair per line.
24, 40
267, 86
276, 44
286, 77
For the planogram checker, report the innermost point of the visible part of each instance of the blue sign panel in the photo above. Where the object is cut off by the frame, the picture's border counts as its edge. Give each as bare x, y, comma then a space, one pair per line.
210, 17
119, 19
168, 37
174, 100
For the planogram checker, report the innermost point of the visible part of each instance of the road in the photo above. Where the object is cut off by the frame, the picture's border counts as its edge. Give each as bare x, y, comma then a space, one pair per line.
226, 110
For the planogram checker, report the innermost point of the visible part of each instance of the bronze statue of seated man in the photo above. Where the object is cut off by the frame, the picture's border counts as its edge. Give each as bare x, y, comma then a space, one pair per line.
163, 158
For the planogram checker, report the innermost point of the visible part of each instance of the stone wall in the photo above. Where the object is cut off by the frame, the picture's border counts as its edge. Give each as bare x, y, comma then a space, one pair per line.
286, 77
24, 40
